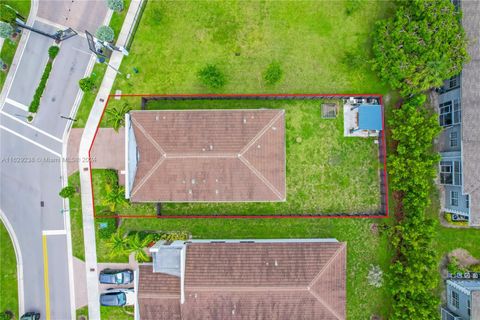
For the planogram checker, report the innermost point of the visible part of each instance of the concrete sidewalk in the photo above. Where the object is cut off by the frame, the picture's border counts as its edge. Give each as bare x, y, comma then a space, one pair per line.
87, 139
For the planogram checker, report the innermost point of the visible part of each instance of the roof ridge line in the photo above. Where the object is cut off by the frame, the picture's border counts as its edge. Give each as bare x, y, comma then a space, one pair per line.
148, 136
147, 176
326, 305
248, 288
261, 132
224, 155
319, 274
260, 176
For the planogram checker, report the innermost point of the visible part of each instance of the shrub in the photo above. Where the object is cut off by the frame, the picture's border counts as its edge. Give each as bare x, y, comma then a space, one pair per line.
423, 44
474, 268
412, 172
352, 5
106, 227
115, 5
86, 84
375, 276
116, 116
7, 14
105, 33
211, 76
273, 74
53, 51
6, 30
454, 266
41, 87
67, 192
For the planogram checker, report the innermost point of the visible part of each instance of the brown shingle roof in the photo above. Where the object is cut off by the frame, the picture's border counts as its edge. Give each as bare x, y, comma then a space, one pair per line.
209, 155
275, 280
158, 295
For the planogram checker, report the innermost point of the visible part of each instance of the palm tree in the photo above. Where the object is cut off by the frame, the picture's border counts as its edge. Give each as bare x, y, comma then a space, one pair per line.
114, 196
118, 244
137, 245
117, 116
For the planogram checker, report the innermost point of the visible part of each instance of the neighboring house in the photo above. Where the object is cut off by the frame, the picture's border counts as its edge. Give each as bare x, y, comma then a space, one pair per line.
463, 300
459, 143
205, 155
244, 279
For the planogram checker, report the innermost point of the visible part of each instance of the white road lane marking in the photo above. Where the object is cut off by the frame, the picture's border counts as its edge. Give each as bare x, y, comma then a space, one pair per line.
32, 127
54, 232
16, 104
31, 141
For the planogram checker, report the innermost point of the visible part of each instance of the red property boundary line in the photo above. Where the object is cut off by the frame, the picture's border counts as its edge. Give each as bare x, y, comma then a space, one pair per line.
383, 151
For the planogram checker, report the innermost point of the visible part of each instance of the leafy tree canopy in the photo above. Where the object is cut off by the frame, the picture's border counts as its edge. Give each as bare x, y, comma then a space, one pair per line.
115, 5
6, 30
422, 45
105, 33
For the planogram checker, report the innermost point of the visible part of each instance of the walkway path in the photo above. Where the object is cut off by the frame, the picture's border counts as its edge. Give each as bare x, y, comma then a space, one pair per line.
85, 179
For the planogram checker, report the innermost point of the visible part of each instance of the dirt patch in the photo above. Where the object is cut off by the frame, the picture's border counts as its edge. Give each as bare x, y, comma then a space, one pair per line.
465, 259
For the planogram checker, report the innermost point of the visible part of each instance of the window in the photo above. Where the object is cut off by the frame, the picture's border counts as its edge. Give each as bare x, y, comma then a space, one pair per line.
457, 112
453, 82
454, 198
453, 139
455, 299
446, 114
451, 172
450, 113
468, 307
446, 176
467, 201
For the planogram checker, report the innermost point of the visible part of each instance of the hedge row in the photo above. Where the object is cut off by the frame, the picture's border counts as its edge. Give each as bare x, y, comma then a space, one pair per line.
413, 275
33, 108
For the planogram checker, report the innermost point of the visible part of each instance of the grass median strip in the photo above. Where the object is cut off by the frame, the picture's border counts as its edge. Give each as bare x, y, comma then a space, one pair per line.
35, 104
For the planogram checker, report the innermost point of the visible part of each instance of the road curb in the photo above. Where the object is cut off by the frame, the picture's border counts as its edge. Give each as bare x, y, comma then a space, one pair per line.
18, 256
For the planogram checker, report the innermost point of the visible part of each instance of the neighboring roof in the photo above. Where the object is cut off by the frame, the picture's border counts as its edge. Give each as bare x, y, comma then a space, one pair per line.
471, 110
278, 280
209, 155
370, 117
158, 295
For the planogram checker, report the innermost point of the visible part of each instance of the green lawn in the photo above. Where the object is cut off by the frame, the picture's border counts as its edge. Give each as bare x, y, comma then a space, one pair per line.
321, 49
313, 41
109, 313
364, 247
342, 172
10, 47
8, 273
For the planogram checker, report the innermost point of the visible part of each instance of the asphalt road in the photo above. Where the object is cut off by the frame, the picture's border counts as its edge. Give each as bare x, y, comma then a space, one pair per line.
30, 167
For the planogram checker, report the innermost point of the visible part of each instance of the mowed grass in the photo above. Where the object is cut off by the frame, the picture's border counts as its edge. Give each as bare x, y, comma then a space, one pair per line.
313, 41
364, 248
10, 47
326, 173
8, 273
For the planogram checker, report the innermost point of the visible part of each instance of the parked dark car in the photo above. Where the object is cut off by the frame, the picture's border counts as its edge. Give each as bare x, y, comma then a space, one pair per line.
118, 298
111, 276
30, 316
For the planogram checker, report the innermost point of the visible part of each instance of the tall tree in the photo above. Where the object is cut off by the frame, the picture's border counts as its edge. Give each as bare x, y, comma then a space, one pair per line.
422, 45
